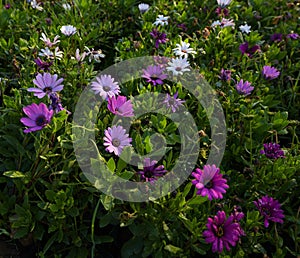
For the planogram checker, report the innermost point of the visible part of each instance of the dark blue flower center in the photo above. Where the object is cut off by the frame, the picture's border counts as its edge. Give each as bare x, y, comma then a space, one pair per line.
40, 120
116, 142
47, 89
106, 88
209, 185
148, 173
266, 211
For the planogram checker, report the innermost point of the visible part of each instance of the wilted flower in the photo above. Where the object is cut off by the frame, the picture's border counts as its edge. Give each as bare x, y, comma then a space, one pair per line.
182, 26
173, 102
48, 42
105, 86
237, 216
223, 23
244, 88
55, 103
46, 52
244, 48
38, 117
46, 84
161, 20
150, 171
79, 57
178, 65
245, 28
160, 37
36, 5
154, 74
276, 37
270, 209
209, 182
120, 106
116, 139
143, 7
221, 232
183, 49
94, 54
43, 65
222, 11
272, 151
225, 75
68, 30
270, 72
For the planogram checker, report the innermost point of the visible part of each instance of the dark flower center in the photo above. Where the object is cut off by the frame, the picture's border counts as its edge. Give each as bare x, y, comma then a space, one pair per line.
148, 174
220, 231
209, 185
47, 89
154, 76
266, 211
183, 50
178, 68
40, 120
116, 142
171, 102
106, 88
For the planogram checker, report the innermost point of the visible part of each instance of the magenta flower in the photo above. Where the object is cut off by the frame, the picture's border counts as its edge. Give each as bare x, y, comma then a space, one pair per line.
222, 11
272, 151
270, 72
154, 74
43, 65
105, 86
116, 139
237, 216
173, 102
209, 182
151, 172
120, 106
244, 48
276, 37
46, 84
244, 88
225, 75
38, 117
160, 37
221, 232
270, 209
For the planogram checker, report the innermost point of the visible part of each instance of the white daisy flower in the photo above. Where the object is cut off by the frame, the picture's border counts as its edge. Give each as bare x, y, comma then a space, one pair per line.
161, 20
79, 57
215, 24
223, 3
68, 30
245, 28
48, 42
58, 54
227, 22
183, 49
46, 52
143, 7
36, 5
178, 65
94, 54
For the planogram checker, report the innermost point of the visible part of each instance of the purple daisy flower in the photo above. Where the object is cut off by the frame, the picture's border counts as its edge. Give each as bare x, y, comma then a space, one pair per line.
292, 36
221, 232
154, 74
276, 37
225, 75
150, 171
38, 117
173, 102
45, 66
160, 37
270, 209
55, 104
270, 72
116, 139
46, 84
209, 182
272, 151
237, 216
161, 61
105, 86
244, 88
120, 106
244, 48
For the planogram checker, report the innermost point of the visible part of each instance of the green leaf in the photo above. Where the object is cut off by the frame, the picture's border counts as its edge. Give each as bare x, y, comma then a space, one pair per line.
13, 174
111, 164
173, 249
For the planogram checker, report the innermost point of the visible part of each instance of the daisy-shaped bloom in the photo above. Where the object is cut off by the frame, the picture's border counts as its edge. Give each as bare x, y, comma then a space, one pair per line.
120, 106
272, 151
173, 102
183, 49
276, 37
224, 3
45, 66
46, 52
293, 36
160, 37
270, 72
143, 7
237, 216
270, 209
215, 24
221, 232
244, 88
249, 51
116, 139
105, 86
227, 23
38, 117
48, 42
150, 171
68, 30
46, 84
154, 74
161, 20
178, 66
36, 5
79, 57
94, 54
210, 182
245, 28
225, 75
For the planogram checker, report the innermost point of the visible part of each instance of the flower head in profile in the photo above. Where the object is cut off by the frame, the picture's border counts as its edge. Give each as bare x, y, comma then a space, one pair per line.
237, 216
46, 84
105, 86
45, 66
183, 50
151, 171
244, 88
293, 36
225, 75
249, 51
270, 209
221, 232
270, 72
143, 7
160, 37
276, 37
116, 139
272, 151
222, 11
94, 54
178, 66
35, 5
245, 28
79, 57
120, 106
48, 42
209, 182
154, 74
161, 20
173, 102
38, 117
224, 3
55, 103
68, 30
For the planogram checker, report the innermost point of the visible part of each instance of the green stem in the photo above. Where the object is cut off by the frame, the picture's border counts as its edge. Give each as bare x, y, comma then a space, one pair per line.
93, 229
